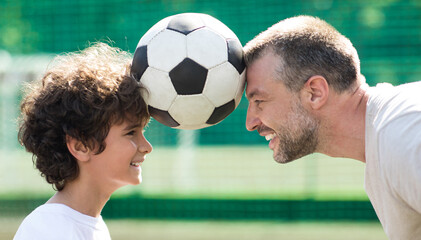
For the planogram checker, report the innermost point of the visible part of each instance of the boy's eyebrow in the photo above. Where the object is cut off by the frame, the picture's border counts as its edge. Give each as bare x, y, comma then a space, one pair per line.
132, 126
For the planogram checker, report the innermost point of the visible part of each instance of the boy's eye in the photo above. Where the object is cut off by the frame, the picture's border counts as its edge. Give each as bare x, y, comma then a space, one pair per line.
131, 133
134, 131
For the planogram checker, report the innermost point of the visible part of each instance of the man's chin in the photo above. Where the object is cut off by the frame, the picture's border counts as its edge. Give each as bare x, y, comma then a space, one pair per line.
282, 158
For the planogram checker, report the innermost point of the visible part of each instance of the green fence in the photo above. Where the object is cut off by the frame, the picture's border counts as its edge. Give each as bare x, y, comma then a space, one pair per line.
215, 209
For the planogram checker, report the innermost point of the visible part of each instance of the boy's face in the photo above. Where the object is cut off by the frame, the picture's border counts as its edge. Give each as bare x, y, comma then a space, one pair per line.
120, 163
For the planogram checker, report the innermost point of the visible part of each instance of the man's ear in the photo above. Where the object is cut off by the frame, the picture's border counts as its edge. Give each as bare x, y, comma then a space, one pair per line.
315, 92
78, 149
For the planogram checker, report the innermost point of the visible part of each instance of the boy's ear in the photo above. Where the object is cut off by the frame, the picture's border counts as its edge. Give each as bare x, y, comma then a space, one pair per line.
315, 92
77, 149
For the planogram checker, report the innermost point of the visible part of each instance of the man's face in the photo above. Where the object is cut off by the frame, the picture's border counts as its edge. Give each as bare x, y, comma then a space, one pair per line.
277, 114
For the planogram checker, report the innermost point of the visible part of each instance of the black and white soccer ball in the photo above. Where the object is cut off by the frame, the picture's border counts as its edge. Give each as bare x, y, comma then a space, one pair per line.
193, 70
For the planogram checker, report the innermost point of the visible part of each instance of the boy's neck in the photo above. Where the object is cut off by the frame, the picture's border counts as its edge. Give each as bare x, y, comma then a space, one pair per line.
81, 198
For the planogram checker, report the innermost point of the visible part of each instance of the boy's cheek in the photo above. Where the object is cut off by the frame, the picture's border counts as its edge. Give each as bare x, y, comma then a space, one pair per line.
133, 144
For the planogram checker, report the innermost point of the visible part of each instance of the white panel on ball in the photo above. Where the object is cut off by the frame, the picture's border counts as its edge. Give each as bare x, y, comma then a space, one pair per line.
218, 26
207, 48
221, 84
167, 43
240, 89
191, 110
155, 29
161, 93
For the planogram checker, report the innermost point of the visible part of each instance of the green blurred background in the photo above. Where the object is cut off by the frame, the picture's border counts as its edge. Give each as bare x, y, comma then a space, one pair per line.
221, 173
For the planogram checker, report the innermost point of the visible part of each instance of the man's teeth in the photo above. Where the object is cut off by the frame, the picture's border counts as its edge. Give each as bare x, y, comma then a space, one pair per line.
270, 136
135, 164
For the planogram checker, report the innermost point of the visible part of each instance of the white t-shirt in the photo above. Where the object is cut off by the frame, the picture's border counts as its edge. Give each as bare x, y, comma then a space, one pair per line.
53, 221
393, 158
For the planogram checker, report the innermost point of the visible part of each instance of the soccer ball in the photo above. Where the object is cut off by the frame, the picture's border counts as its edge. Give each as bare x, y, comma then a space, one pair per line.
193, 70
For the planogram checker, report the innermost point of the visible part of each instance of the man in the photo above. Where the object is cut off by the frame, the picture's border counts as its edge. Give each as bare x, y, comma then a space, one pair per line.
306, 94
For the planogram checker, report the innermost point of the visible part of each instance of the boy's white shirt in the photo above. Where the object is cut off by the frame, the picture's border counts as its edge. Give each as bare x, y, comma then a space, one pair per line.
58, 221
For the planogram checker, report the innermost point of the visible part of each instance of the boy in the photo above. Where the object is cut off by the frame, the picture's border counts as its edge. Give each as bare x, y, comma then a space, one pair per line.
84, 126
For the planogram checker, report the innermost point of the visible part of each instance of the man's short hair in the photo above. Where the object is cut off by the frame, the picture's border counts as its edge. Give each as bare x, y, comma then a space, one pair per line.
307, 46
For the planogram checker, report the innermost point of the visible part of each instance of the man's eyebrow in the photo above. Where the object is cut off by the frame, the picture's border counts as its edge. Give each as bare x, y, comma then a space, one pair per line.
254, 93
250, 95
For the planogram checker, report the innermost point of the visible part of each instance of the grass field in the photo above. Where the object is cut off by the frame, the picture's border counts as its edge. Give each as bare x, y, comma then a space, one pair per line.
221, 230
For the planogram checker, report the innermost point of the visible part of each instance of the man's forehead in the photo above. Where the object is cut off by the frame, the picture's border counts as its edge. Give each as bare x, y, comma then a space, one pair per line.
262, 70
258, 83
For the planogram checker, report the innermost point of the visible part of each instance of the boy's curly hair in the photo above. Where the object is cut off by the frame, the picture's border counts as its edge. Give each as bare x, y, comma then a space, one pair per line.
80, 96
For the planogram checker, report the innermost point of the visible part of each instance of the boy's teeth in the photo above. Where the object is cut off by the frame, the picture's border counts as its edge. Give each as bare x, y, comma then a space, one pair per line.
135, 164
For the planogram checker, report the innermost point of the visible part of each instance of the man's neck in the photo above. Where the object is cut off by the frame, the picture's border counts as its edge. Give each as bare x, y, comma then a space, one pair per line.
342, 132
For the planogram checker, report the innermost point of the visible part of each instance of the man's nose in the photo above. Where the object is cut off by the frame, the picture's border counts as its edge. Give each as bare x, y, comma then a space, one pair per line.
252, 121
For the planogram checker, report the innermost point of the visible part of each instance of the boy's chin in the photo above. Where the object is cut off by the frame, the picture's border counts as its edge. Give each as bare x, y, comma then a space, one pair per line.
139, 181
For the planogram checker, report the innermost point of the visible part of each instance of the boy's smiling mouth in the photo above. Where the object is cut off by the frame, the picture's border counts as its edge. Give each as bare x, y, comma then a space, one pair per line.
136, 164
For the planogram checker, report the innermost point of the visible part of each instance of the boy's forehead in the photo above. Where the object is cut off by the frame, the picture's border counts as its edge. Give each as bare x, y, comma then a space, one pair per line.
135, 123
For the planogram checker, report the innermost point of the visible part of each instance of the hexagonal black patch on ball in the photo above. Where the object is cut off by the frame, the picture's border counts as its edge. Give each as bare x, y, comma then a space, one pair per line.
235, 55
185, 23
188, 77
140, 62
221, 112
163, 117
